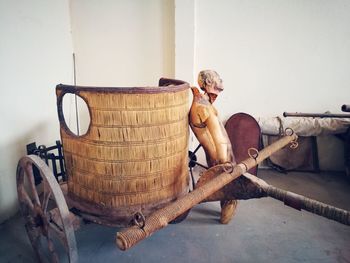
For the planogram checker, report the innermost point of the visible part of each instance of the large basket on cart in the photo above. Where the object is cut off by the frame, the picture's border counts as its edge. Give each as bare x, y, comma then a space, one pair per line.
131, 161
133, 157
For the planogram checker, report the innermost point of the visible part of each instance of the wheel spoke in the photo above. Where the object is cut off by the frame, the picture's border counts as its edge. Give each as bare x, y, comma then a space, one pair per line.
26, 201
45, 197
35, 240
55, 225
51, 246
30, 176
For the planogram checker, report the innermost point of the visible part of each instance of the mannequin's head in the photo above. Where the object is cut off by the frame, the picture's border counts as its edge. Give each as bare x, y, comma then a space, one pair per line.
210, 82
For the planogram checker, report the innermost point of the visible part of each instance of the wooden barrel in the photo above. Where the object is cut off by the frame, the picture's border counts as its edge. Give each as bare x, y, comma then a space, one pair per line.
133, 157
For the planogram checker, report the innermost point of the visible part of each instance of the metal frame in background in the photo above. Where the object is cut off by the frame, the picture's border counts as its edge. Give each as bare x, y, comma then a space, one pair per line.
56, 162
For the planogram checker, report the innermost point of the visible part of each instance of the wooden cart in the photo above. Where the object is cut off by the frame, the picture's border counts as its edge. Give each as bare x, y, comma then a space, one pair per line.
131, 169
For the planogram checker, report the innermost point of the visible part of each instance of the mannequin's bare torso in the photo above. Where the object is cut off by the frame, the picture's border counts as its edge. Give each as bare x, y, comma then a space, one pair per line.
208, 129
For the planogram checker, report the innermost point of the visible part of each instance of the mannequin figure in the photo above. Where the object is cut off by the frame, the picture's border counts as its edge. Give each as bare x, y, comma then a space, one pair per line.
209, 130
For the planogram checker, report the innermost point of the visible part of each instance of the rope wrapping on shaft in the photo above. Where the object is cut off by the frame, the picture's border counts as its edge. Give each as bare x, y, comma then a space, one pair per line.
301, 202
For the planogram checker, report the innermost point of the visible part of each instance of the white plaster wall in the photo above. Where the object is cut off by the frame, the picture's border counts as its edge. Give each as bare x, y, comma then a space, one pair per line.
123, 43
275, 56
35, 55
185, 34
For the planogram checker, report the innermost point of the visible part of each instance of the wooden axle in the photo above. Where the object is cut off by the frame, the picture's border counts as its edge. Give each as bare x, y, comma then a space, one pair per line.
159, 219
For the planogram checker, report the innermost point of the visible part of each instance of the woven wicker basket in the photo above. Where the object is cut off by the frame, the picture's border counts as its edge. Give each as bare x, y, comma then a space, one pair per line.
133, 157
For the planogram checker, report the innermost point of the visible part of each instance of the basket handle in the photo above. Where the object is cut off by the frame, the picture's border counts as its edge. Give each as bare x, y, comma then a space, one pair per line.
61, 90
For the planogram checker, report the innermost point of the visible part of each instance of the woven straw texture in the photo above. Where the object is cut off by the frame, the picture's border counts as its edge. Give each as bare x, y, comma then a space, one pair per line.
135, 151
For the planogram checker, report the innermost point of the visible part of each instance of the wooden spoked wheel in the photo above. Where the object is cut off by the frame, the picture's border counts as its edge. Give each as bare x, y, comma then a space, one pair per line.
48, 222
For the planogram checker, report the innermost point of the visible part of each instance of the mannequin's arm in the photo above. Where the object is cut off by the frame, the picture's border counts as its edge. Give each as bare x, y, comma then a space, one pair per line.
220, 139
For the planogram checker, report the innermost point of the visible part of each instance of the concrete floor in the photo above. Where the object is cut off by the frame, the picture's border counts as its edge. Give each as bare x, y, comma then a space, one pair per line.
263, 230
